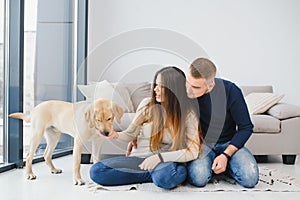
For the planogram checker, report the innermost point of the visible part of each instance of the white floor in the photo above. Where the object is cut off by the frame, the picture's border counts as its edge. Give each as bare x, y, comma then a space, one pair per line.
14, 186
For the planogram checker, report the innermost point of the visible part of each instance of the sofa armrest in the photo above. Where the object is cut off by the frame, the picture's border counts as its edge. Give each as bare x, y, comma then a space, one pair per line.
284, 111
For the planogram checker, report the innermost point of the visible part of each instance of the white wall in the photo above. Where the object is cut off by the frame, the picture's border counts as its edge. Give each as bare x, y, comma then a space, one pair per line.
252, 42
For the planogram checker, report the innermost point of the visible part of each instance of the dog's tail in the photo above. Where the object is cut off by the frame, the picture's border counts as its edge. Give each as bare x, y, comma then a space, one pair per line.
22, 116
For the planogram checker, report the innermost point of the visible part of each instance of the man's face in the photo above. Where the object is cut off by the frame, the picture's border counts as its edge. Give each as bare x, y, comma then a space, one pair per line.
195, 87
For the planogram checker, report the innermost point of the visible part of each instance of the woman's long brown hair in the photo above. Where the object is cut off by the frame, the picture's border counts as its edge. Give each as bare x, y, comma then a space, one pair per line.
172, 112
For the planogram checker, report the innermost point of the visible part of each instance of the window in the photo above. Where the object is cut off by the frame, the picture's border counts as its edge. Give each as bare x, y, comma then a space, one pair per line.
1, 78
49, 30
40, 27
30, 22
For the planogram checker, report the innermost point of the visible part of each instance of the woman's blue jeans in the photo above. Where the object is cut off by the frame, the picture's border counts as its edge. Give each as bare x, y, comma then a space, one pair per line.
242, 166
124, 170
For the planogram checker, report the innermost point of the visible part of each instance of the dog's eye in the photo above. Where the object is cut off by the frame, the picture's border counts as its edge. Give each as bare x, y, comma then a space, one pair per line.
109, 119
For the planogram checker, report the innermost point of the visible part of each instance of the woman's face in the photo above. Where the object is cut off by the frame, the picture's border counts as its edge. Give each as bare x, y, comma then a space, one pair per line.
158, 89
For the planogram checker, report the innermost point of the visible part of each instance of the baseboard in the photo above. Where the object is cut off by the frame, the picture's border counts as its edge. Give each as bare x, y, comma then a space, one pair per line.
86, 157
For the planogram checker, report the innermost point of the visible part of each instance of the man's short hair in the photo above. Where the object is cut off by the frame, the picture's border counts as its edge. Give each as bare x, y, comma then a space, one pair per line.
203, 68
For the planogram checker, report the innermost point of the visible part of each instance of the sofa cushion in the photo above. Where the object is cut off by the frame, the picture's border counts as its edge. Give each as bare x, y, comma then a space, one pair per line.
106, 90
265, 124
259, 103
138, 92
125, 122
124, 92
261, 89
284, 111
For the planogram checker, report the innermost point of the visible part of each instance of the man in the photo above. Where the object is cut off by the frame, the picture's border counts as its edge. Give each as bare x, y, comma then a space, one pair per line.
226, 126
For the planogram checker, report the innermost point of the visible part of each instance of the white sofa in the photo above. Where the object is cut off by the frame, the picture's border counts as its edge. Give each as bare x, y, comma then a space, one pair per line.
276, 130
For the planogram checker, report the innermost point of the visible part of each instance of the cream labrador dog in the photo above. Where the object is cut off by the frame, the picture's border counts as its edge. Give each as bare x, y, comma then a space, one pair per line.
82, 120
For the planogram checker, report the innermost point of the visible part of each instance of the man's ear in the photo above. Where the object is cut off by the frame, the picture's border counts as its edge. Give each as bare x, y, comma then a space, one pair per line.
118, 112
211, 85
89, 117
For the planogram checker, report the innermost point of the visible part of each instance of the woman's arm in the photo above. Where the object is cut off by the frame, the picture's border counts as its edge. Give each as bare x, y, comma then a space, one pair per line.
135, 126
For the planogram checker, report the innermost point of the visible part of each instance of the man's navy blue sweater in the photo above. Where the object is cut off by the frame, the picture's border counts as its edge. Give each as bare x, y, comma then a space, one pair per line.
224, 115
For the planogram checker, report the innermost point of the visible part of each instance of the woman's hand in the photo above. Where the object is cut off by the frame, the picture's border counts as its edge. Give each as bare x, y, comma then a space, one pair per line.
132, 144
150, 162
113, 134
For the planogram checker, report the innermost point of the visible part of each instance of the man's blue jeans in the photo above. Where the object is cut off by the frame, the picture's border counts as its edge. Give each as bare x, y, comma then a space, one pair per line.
124, 170
242, 166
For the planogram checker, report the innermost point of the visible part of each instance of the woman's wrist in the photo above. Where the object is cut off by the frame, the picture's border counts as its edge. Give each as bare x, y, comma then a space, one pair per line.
160, 157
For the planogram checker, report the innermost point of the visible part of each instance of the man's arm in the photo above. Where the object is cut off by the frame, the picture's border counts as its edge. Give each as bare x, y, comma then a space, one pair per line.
240, 114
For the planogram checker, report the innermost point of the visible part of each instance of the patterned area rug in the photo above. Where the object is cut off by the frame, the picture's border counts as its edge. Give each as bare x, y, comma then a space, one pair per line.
269, 180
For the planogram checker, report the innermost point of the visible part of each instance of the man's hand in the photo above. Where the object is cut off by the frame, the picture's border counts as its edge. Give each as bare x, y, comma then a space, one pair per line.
150, 162
131, 145
220, 163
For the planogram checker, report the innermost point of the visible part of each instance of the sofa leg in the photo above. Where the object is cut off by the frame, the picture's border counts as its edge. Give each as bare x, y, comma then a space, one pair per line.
288, 159
85, 158
261, 158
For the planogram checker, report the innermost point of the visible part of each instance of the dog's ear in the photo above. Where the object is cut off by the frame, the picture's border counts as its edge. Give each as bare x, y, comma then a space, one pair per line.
118, 112
89, 115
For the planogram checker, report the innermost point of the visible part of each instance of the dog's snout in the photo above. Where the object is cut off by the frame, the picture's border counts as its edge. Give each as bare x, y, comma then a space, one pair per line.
105, 133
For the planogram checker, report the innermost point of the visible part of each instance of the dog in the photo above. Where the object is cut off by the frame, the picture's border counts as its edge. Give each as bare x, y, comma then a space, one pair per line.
83, 121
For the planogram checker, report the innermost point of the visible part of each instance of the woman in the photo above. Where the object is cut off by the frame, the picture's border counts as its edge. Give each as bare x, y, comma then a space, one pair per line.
168, 135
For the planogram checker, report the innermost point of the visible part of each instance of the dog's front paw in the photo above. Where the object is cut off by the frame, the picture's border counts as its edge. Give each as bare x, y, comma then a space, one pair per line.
56, 171
79, 181
31, 176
